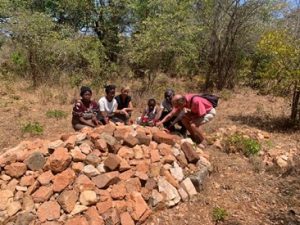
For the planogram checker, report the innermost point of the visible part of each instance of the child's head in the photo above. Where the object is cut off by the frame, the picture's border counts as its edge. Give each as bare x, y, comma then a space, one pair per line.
151, 104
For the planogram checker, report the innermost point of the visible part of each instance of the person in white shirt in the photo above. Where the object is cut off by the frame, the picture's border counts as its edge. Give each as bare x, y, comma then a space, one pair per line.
109, 106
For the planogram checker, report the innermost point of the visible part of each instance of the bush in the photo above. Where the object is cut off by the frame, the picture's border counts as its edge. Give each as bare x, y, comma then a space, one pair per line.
237, 142
219, 214
34, 128
57, 114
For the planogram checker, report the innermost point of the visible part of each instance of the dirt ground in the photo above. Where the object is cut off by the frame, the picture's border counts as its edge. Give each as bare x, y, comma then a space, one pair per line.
249, 195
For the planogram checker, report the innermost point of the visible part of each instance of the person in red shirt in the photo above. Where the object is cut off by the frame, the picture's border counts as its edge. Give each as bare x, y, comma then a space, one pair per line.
85, 110
197, 111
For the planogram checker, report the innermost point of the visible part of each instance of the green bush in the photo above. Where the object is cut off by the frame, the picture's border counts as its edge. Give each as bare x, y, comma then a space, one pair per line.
246, 145
34, 128
219, 214
57, 114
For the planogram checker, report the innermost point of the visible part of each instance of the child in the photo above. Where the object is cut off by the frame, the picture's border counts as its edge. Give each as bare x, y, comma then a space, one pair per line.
150, 114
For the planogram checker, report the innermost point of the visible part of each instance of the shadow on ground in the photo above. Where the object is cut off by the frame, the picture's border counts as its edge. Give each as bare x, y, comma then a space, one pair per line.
270, 124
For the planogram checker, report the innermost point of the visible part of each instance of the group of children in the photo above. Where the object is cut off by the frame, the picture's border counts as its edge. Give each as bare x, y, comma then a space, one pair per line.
175, 113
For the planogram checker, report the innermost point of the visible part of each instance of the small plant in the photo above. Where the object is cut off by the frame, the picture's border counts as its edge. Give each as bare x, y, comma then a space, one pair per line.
57, 114
219, 214
246, 145
34, 128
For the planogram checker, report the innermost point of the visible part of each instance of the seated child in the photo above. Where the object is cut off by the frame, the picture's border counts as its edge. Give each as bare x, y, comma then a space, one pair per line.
150, 114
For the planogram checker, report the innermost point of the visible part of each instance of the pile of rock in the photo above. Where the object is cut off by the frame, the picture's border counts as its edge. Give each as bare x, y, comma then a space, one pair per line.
108, 175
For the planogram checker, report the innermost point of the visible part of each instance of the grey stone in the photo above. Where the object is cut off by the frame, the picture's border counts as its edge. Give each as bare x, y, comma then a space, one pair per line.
35, 161
172, 195
199, 177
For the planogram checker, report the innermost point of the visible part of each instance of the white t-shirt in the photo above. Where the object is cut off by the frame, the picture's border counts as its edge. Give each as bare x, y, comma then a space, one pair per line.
108, 107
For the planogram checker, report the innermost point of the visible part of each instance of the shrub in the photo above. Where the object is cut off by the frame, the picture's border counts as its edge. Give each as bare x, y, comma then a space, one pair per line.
219, 214
34, 128
247, 145
57, 114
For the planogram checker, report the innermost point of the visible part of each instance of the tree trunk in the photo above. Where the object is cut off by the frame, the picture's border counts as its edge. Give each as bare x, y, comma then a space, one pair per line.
295, 115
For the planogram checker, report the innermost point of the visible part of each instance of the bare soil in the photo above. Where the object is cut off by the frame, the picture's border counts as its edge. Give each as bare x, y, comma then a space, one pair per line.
250, 195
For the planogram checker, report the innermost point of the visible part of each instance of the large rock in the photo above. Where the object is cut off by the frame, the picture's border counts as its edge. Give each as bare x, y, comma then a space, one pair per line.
199, 177
59, 160
88, 198
163, 137
172, 195
46, 177
188, 186
106, 179
13, 208
190, 153
131, 141
48, 211
112, 162
83, 183
67, 200
63, 179
35, 161
42, 194
93, 217
177, 172
90, 171
77, 220
16, 169
126, 219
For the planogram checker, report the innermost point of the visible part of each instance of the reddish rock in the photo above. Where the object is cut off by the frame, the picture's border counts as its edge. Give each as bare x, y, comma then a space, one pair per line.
46, 177
126, 219
118, 191
151, 184
77, 167
33, 187
77, 155
133, 184
85, 147
154, 170
165, 149
131, 141
48, 211
111, 217
63, 179
139, 205
143, 167
155, 156
67, 200
93, 217
59, 160
182, 160
126, 175
141, 175
92, 159
121, 134
124, 165
77, 220
94, 136
112, 162
106, 179
169, 159
83, 183
101, 145
126, 153
15, 169
104, 206
190, 153
163, 137
27, 180
170, 178
143, 139
70, 142
42, 194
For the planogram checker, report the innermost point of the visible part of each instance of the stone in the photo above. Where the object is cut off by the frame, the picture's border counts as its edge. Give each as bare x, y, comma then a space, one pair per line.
156, 198
15, 169
155, 156
77, 155
80, 137
101, 168
184, 196
63, 179
190, 153
172, 196
199, 177
90, 171
109, 128
59, 160
88, 198
13, 208
170, 178
94, 136
164, 149
182, 160
33, 187
131, 141
126, 219
121, 134
106, 179
138, 152
163, 137
282, 161
101, 145
118, 191
154, 170
124, 165
42, 194
35, 161
12, 185
188, 186
92, 159
77, 167
169, 159
126, 175
112, 162
25, 218
67, 200
70, 142
141, 175
4, 177
139, 205
126, 153
83, 183
27, 180
46, 177
143, 139
5, 195
85, 148
77, 220
104, 206
28, 204
109, 139
48, 211
133, 185
55, 144
78, 209
151, 184
93, 217
177, 172
111, 217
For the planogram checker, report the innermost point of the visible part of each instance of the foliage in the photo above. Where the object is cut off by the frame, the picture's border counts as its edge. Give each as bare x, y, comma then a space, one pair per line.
57, 114
34, 128
219, 214
246, 145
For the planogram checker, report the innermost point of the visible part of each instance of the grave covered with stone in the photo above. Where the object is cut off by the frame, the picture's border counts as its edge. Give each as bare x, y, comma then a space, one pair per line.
107, 175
